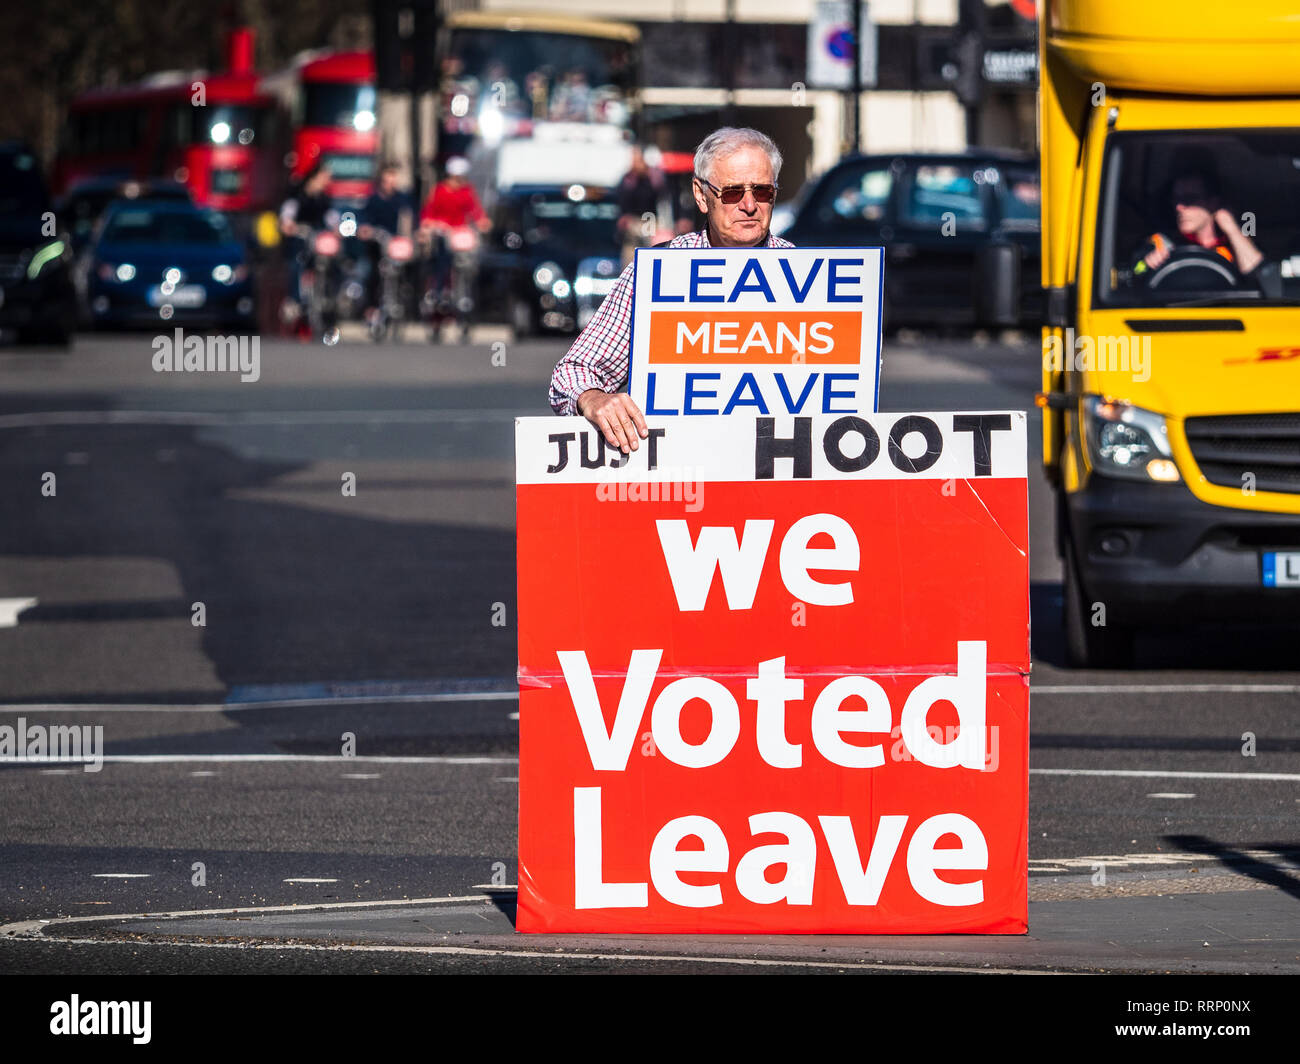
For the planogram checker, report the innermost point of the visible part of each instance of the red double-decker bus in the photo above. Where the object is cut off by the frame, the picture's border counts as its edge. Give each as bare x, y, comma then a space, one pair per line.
335, 122
220, 134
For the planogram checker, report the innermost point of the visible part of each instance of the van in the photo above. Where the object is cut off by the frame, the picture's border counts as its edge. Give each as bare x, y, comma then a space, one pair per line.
1170, 160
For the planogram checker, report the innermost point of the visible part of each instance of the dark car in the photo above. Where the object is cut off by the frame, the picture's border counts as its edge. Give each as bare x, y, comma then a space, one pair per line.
553, 257
169, 261
37, 299
950, 224
84, 203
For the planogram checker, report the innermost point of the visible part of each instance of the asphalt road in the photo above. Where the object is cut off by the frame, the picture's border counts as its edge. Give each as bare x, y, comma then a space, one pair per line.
378, 615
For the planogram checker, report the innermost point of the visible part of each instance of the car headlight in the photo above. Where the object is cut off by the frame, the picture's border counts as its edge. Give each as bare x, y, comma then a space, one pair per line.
1127, 441
120, 273
226, 274
51, 252
547, 274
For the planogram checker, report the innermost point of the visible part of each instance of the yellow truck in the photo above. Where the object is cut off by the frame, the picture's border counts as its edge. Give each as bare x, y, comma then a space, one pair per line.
1170, 145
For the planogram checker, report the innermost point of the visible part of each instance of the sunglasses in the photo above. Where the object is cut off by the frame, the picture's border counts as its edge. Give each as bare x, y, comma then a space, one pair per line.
735, 193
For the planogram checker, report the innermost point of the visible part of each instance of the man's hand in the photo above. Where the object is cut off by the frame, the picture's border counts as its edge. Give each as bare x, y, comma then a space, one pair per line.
1157, 255
1248, 255
617, 416
1224, 220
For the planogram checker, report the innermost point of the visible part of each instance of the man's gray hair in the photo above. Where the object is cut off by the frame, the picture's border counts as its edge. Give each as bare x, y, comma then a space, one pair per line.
729, 139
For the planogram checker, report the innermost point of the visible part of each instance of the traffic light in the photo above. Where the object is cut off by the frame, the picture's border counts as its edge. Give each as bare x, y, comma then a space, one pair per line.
406, 43
969, 85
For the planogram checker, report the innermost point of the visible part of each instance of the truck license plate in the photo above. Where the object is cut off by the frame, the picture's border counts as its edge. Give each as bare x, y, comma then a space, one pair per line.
1281, 568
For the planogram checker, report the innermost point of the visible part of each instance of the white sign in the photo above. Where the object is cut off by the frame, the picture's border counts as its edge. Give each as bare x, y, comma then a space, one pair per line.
756, 330
830, 46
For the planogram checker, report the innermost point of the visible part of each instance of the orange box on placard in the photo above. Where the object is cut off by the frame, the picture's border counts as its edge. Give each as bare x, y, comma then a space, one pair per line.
738, 337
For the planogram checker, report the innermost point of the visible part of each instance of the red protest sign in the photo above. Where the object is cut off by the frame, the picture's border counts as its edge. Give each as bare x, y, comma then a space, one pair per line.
774, 676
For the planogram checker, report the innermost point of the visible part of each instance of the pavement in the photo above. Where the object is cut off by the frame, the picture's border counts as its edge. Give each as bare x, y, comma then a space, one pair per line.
1157, 843
1219, 918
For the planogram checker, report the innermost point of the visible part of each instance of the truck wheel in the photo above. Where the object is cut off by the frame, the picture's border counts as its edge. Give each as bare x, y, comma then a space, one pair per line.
1089, 646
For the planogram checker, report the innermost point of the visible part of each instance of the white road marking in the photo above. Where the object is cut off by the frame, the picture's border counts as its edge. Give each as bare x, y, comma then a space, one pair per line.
304, 879
1289, 777
513, 696
359, 700
1130, 860
479, 759
182, 759
28, 927
505, 779
245, 707
551, 954
362, 775
1170, 794
202, 772
493, 886
430, 415
1161, 688
10, 608
121, 875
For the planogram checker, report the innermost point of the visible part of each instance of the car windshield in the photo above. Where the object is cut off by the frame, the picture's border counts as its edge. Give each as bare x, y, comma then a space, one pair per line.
938, 193
1021, 198
1204, 219
560, 76
227, 124
339, 105
583, 224
144, 226
857, 194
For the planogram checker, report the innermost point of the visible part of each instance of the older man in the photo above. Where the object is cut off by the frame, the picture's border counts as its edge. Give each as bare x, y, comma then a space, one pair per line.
735, 187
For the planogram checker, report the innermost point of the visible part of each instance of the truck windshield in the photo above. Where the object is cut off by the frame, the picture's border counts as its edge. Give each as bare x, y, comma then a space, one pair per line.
1199, 219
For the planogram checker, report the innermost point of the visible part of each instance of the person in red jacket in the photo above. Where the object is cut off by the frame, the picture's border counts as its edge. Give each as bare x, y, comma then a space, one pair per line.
452, 205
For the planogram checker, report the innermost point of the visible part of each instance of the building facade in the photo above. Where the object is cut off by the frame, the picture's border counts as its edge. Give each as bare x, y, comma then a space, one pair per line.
947, 73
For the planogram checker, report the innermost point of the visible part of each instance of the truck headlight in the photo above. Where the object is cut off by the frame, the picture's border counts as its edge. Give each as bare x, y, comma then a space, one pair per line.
1127, 441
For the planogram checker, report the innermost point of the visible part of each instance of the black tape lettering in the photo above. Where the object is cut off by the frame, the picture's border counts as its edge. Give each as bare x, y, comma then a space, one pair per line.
767, 448
933, 443
561, 441
589, 461
840, 428
653, 438
982, 427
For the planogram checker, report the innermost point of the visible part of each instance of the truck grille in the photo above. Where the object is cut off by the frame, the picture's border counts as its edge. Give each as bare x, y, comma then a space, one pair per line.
1264, 445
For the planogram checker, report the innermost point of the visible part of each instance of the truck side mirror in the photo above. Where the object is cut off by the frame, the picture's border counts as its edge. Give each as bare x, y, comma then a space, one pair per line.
1269, 277
997, 285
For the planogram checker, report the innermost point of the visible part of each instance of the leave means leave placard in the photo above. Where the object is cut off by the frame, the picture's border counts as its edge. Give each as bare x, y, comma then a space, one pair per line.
756, 331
